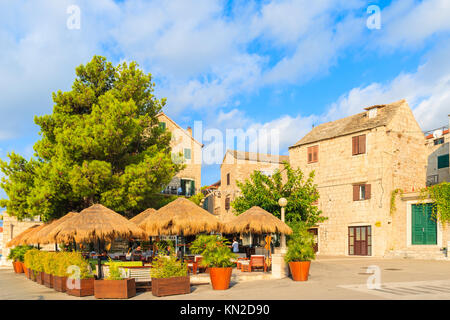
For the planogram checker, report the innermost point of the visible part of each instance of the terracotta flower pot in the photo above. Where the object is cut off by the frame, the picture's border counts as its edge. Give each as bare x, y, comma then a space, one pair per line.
220, 278
300, 270
23, 267
17, 266
26, 271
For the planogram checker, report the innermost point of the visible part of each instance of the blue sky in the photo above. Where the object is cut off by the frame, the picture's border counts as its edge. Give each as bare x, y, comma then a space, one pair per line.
283, 65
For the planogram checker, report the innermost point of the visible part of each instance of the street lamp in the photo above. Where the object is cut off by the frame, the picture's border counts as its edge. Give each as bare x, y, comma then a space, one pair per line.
282, 202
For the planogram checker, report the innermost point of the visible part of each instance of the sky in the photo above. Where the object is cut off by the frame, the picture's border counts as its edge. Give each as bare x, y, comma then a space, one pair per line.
280, 65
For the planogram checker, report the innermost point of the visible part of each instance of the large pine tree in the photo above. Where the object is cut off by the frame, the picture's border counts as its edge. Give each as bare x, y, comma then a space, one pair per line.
101, 144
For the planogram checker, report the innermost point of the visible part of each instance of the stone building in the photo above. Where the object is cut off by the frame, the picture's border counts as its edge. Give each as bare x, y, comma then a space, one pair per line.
184, 148
238, 166
437, 142
211, 203
359, 161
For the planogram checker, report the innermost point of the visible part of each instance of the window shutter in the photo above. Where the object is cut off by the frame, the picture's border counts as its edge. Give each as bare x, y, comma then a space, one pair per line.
362, 144
356, 192
187, 153
316, 153
355, 141
227, 203
368, 194
310, 157
228, 179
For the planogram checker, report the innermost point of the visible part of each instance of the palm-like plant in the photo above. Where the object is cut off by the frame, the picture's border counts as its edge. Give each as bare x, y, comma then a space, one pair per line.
300, 246
214, 250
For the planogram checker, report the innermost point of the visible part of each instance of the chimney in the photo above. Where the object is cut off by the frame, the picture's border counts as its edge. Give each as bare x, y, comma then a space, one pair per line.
189, 130
373, 110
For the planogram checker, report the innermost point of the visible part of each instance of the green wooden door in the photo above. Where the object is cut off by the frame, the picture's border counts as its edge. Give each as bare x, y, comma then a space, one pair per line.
424, 229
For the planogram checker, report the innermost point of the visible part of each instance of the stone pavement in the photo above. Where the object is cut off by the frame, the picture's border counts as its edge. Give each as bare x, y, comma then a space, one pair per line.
330, 278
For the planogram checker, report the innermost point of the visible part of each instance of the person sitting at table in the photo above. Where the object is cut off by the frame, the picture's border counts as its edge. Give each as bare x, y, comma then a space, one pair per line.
137, 254
104, 255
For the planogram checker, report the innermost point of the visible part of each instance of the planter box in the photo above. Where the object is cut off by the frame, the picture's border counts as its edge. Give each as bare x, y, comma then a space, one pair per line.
27, 272
171, 286
39, 277
115, 289
59, 283
48, 280
86, 288
32, 275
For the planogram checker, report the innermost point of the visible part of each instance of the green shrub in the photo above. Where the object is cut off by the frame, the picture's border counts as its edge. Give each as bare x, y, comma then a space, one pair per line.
76, 259
300, 246
62, 263
18, 253
214, 250
114, 271
30, 258
168, 266
50, 262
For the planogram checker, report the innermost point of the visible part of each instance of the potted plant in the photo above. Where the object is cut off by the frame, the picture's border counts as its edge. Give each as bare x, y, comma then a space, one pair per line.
300, 253
80, 280
39, 267
62, 264
169, 276
49, 263
20, 256
13, 255
115, 285
217, 256
29, 260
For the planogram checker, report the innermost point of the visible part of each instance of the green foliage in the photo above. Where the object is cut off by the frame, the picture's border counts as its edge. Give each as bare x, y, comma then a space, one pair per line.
300, 245
394, 193
38, 261
77, 260
215, 251
30, 258
50, 262
263, 191
101, 144
197, 199
18, 253
114, 271
167, 266
440, 194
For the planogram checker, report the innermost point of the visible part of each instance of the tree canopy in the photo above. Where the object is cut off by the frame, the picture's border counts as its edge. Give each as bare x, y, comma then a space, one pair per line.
265, 191
101, 144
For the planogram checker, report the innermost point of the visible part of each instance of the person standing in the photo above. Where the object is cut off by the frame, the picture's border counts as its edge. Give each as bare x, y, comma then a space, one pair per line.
235, 246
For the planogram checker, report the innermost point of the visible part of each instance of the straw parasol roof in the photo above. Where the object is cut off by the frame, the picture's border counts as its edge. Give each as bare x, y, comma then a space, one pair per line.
137, 219
21, 238
93, 223
180, 217
42, 237
257, 220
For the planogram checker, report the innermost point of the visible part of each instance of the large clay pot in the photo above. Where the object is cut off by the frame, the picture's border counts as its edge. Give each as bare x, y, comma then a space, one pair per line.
17, 265
300, 270
220, 278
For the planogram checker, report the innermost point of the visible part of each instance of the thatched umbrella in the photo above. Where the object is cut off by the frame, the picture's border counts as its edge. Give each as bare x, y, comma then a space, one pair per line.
95, 223
142, 216
180, 217
17, 240
42, 236
25, 237
257, 220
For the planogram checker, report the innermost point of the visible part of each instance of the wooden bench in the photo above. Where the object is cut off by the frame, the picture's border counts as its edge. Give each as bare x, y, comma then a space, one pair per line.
141, 276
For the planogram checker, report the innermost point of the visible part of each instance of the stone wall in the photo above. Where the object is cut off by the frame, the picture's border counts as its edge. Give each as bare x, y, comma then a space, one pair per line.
391, 161
239, 170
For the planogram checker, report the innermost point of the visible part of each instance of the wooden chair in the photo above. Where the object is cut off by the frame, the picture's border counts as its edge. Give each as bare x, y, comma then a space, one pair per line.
238, 262
199, 267
258, 261
191, 264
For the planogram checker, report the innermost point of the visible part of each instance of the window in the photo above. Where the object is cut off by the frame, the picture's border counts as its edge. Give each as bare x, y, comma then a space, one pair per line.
359, 145
361, 192
442, 161
228, 179
313, 154
227, 203
162, 125
187, 154
439, 141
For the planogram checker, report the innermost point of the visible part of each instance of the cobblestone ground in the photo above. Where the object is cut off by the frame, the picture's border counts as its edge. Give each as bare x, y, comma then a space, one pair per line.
330, 278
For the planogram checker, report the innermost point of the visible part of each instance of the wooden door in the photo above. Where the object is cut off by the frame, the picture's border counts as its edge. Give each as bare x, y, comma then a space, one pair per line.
424, 228
360, 241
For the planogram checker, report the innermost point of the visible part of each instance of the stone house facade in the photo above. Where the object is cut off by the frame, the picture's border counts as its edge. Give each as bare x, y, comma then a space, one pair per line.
184, 148
359, 161
238, 166
437, 142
